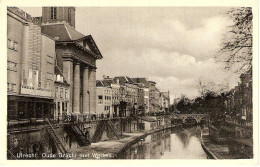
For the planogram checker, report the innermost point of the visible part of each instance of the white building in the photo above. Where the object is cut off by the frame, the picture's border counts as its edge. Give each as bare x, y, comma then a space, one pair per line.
104, 100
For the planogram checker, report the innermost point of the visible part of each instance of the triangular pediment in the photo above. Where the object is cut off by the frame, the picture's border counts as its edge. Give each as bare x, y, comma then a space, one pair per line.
89, 43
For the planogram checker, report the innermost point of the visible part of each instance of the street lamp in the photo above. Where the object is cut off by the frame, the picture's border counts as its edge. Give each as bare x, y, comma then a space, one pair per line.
89, 104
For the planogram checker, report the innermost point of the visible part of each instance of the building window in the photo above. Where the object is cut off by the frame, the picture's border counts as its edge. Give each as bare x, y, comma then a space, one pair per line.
11, 66
56, 91
48, 85
9, 44
11, 105
10, 87
69, 15
53, 13
100, 99
61, 92
65, 106
15, 46
49, 59
12, 45
49, 76
66, 93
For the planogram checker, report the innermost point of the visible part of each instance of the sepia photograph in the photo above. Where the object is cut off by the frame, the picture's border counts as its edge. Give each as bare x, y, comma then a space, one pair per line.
130, 82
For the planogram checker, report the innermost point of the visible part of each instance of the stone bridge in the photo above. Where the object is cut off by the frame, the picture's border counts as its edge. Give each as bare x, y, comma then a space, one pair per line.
197, 117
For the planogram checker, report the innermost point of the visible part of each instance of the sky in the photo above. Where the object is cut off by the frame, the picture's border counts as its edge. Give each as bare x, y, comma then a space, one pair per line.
173, 46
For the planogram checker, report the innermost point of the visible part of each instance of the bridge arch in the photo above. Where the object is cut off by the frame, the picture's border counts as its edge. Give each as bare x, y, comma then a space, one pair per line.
203, 117
190, 117
183, 117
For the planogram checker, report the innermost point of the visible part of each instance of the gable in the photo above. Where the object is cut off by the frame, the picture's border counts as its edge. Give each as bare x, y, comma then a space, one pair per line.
85, 44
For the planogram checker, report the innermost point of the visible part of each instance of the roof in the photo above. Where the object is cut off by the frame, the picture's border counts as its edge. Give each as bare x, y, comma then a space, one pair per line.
63, 32
141, 80
109, 81
100, 83
140, 85
124, 79
166, 94
58, 71
152, 82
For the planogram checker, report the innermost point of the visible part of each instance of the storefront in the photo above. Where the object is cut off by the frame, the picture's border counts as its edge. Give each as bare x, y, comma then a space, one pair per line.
25, 107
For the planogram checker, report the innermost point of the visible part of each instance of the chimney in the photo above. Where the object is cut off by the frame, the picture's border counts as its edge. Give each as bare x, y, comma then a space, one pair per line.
105, 77
117, 81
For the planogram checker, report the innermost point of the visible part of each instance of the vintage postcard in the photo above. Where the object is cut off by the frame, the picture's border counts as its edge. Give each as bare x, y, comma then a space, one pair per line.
130, 81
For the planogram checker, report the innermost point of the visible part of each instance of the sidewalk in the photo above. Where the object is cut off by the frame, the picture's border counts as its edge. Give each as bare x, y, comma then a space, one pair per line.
104, 149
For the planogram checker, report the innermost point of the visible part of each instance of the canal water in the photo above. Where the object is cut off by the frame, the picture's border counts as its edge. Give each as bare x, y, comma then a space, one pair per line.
176, 143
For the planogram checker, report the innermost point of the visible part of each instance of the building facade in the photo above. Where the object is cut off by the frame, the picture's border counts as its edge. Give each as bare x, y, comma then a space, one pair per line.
78, 53
154, 98
114, 84
238, 102
30, 68
128, 96
140, 100
104, 100
145, 92
61, 99
165, 102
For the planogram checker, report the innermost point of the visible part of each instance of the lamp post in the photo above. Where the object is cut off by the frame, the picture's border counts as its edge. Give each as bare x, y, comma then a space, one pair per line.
89, 104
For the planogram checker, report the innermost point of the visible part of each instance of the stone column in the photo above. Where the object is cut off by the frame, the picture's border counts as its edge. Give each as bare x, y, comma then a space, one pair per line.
92, 90
76, 92
61, 105
68, 74
56, 110
85, 91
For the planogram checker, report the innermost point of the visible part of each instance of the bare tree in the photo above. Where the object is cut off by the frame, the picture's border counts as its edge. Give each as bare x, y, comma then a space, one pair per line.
201, 86
208, 87
236, 50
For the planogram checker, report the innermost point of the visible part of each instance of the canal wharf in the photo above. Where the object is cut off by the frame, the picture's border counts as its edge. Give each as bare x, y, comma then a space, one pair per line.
111, 149
215, 150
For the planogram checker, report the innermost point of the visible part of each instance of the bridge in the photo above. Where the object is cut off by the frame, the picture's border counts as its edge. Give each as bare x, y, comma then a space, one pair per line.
183, 117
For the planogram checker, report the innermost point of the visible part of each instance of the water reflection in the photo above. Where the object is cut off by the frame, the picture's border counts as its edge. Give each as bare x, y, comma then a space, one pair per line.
181, 143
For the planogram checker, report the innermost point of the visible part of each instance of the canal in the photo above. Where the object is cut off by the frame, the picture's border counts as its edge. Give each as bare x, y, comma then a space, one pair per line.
175, 143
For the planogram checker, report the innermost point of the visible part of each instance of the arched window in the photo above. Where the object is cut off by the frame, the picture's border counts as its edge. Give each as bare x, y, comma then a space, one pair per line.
53, 12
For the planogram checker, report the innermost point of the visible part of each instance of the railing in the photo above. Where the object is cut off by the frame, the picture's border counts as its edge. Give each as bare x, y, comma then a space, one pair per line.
55, 137
33, 123
11, 154
111, 125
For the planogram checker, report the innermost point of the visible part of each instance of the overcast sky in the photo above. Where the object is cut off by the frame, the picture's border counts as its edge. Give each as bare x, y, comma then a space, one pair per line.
174, 47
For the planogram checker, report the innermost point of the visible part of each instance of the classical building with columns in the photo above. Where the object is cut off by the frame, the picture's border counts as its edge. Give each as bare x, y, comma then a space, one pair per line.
78, 53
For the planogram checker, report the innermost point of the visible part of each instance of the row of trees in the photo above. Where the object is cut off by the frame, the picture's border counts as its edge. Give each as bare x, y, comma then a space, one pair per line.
236, 56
